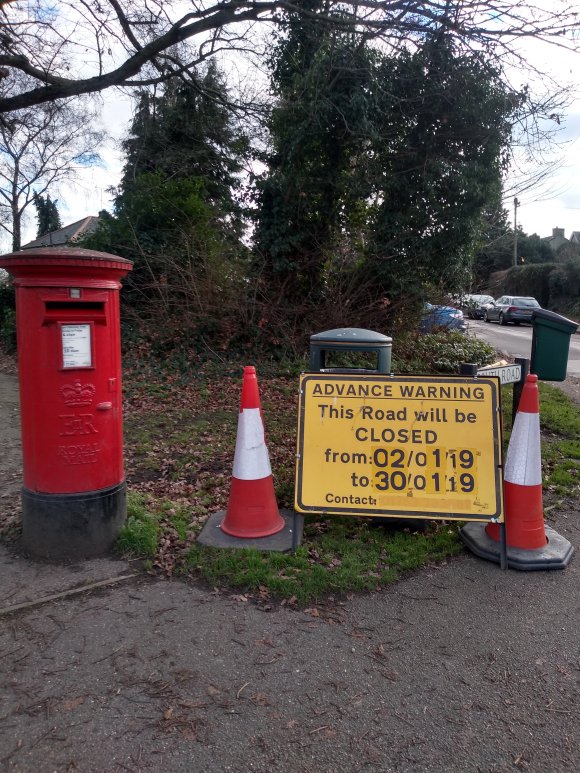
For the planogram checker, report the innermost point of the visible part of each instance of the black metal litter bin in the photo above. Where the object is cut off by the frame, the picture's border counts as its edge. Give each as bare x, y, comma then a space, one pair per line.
350, 339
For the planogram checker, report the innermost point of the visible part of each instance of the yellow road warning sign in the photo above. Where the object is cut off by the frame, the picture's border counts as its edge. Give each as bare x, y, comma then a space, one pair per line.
399, 446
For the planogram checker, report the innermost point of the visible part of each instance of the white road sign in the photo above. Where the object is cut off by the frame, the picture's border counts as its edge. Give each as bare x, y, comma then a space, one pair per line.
508, 374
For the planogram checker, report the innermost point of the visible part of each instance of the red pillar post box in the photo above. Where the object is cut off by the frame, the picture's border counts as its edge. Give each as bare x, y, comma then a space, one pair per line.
69, 361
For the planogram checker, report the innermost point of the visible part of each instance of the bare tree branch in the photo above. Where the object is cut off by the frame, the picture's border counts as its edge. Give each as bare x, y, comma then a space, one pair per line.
118, 39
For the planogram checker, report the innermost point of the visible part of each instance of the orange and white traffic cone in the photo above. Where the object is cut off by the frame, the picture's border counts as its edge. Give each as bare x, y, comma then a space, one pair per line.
530, 543
252, 508
524, 512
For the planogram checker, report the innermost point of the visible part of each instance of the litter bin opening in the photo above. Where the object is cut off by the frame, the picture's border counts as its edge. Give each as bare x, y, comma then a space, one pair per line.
361, 361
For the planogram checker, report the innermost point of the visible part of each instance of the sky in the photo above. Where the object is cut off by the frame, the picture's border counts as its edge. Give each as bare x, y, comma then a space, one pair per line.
559, 207
555, 204
88, 195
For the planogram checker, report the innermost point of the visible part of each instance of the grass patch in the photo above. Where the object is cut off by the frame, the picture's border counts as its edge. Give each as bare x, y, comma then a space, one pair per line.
336, 557
558, 414
560, 426
140, 535
179, 457
560, 430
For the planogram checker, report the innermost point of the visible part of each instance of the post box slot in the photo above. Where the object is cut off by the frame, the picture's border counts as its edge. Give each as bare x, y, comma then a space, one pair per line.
64, 311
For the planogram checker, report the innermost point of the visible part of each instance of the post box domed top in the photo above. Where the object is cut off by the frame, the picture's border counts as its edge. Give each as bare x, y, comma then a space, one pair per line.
63, 256
62, 265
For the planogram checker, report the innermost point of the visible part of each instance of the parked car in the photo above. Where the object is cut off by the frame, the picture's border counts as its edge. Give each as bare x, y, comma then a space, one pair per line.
448, 317
511, 308
474, 305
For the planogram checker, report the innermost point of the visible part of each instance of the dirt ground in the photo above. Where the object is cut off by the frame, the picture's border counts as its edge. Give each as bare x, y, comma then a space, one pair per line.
571, 387
10, 455
459, 667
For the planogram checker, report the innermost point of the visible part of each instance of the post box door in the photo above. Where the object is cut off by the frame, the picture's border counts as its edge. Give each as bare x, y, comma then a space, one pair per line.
73, 434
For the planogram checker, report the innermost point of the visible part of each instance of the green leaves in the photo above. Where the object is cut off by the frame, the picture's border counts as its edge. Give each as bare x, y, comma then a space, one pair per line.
381, 166
442, 170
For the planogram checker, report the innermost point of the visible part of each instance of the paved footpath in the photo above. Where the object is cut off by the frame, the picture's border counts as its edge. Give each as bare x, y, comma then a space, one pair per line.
459, 667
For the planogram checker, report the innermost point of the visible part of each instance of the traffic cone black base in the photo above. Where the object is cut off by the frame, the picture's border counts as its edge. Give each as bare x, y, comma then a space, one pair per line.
556, 554
283, 541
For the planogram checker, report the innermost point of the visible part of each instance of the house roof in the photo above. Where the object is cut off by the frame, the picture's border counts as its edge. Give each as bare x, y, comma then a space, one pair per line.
66, 234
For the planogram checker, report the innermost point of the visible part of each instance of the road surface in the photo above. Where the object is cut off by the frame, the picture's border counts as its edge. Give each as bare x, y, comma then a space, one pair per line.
516, 341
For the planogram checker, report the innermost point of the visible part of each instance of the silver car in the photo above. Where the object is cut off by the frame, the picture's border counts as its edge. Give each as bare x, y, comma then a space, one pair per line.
474, 305
511, 308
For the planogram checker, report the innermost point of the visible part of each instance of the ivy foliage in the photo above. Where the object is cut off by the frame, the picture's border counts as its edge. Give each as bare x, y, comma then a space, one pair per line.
320, 127
441, 167
381, 166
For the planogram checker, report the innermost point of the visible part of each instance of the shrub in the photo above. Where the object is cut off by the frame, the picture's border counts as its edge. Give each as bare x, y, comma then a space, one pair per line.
441, 352
531, 280
564, 285
7, 318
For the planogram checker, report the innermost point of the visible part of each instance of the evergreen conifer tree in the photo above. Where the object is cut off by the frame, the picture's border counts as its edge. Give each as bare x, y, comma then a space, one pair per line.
47, 215
177, 214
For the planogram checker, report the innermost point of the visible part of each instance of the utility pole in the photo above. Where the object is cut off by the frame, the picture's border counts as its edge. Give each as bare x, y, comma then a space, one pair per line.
516, 205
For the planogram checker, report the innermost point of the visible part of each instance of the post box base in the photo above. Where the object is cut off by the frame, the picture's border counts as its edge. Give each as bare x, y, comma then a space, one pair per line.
72, 526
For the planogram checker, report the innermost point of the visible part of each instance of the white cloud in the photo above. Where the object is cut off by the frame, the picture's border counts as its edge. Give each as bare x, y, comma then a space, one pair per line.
555, 203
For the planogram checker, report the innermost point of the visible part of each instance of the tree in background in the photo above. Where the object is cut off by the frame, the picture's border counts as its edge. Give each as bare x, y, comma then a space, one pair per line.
177, 212
568, 251
41, 147
47, 215
381, 169
496, 251
185, 130
532, 249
